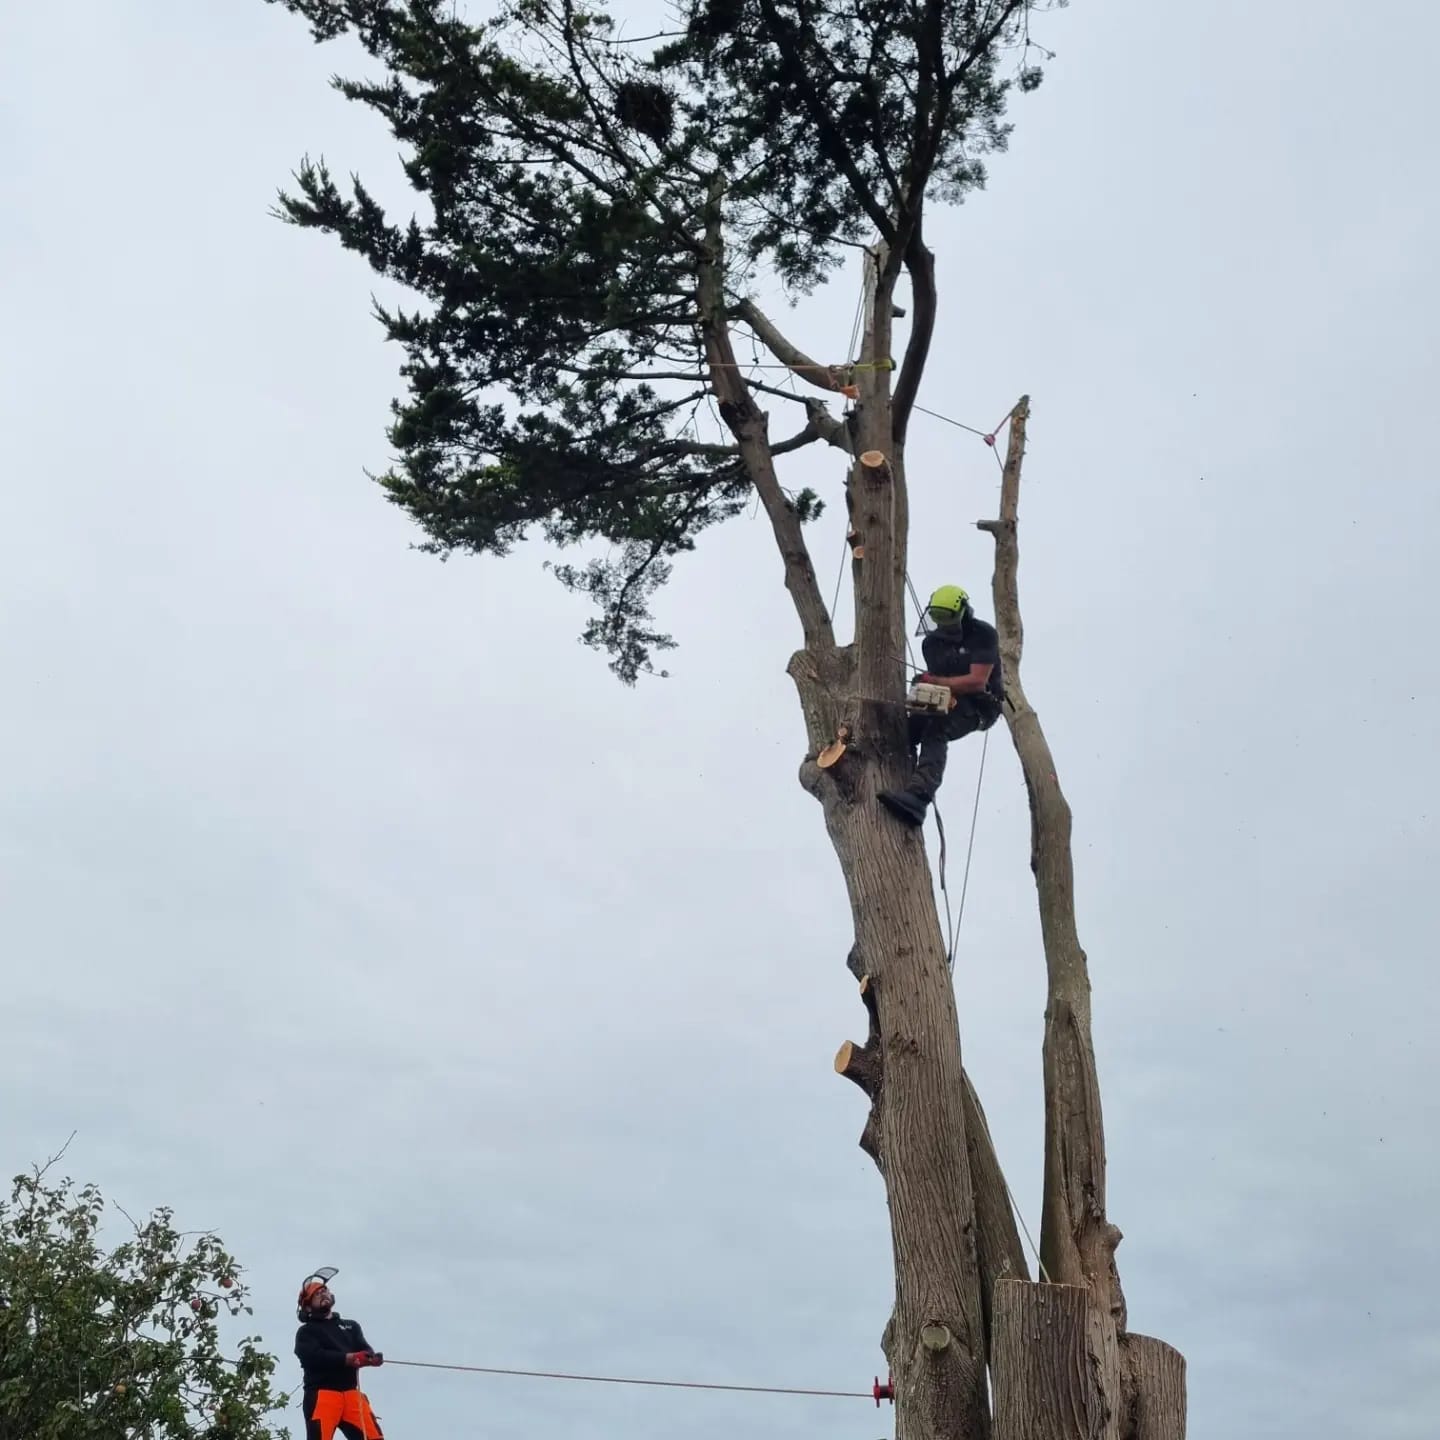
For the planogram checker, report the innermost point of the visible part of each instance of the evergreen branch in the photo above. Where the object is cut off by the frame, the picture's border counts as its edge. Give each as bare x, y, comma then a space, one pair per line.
824, 122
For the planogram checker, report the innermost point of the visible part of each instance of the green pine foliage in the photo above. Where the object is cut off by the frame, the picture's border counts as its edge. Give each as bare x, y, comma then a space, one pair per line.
554, 364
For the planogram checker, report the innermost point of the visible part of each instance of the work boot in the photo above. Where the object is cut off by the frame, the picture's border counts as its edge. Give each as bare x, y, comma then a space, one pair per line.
904, 805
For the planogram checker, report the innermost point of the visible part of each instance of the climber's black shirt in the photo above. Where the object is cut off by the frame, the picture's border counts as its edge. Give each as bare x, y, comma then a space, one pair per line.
954, 649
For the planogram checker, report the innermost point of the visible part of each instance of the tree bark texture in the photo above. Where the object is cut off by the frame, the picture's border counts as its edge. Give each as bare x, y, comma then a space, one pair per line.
997, 1238
1154, 1389
1077, 1241
935, 1342
1056, 1364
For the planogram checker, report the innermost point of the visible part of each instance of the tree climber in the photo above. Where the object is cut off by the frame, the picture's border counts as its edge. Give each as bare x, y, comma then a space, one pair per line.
332, 1352
962, 653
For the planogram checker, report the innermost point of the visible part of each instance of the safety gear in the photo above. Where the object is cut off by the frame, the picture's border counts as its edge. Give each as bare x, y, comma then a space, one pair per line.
347, 1411
948, 604
931, 736
312, 1286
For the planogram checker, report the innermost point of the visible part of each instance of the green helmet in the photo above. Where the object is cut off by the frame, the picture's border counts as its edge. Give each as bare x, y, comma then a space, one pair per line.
948, 604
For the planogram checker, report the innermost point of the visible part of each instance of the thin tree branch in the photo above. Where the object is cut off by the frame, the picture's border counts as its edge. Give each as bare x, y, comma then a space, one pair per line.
747, 423
920, 265
808, 436
784, 350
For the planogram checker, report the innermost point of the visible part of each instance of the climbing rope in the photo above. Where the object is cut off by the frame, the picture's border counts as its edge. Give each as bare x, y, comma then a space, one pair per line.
624, 1380
970, 847
952, 929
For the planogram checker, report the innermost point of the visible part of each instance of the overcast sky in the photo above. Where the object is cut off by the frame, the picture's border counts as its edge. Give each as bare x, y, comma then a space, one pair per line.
350, 907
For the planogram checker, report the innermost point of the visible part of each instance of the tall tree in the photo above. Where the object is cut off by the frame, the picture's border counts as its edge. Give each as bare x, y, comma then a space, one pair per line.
603, 215
106, 1342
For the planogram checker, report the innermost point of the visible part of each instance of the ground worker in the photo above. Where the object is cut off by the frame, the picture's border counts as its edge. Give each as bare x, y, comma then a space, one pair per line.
332, 1352
961, 653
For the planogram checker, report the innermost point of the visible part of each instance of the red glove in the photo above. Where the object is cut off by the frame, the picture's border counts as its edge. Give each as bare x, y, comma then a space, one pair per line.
376, 1358
358, 1358
926, 678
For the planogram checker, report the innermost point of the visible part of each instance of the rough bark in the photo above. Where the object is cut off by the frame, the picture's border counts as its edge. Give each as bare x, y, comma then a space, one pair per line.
935, 1342
997, 1238
1077, 1241
1153, 1375
1056, 1364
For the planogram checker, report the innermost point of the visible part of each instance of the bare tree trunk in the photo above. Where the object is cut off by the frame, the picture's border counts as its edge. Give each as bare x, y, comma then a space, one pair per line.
997, 1239
1056, 1365
910, 1065
1077, 1242
935, 1341
1154, 1387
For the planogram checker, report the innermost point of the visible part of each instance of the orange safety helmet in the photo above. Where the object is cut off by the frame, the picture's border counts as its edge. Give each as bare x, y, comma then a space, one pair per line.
312, 1286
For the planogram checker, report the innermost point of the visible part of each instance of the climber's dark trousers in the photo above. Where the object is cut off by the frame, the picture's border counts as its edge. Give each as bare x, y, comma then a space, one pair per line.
931, 736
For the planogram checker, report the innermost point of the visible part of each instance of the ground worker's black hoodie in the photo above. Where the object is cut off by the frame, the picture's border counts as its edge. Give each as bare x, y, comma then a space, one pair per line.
321, 1347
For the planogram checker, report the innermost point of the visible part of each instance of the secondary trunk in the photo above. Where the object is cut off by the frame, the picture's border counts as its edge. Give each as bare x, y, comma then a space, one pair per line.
1154, 1389
1077, 1244
1057, 1366
1077, 1241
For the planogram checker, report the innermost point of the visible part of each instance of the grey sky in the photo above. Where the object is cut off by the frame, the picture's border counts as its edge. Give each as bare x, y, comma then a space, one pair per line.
308, 941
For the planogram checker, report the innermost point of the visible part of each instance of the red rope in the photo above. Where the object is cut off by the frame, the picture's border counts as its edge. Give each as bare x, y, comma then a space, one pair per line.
619, 1380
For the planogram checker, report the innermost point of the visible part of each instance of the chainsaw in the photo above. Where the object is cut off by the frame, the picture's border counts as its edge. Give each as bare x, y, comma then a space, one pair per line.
927, 699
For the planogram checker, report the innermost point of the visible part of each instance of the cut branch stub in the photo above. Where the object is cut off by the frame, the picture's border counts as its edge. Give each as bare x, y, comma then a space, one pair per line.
860, 1064
935, 1338
835, 749
865, 1066
867, 998
876, 467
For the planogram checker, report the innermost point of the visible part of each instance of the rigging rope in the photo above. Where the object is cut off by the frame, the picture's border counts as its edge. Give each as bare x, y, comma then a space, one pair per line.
625, 1380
